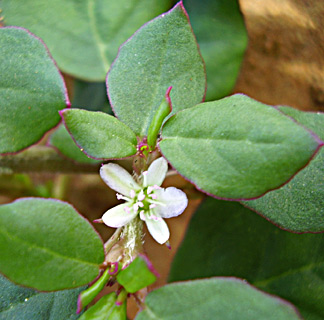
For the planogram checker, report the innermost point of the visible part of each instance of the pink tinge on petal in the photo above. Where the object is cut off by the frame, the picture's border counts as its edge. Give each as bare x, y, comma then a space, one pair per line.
127, 209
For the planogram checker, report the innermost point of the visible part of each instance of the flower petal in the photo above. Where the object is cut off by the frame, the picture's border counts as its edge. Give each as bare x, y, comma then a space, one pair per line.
158, 229
156, 172
117, 216
118, 179
174, 202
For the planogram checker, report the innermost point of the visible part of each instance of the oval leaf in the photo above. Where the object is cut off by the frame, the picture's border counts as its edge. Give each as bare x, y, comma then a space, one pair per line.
138, 275
45, 244
100, 135
87, 32
19, 303
216, 298
161, 54
226, 239
236, 148
299, 205
32, 90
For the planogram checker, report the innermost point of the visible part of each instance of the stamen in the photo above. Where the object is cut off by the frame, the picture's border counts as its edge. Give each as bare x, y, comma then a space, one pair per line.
135, 207
149, 189
144, 178
153, 196
132, 194
153, 205
142, 215
156, 187
141, 196
140, 204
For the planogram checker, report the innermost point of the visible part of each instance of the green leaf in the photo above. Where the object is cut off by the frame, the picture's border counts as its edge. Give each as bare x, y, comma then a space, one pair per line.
32, 91
236, 147
87, 32
19, 303
63, 142
90, 293
298, 205
222, 38
106, 309
45, 244
161, 54
138, 275
226, 239
100, 135
215, 298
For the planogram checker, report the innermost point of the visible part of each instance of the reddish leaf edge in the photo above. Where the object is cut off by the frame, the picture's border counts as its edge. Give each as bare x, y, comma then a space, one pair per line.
61, 112
242, 281
320, 144
65, 91
60, 201
179, 4
246, 205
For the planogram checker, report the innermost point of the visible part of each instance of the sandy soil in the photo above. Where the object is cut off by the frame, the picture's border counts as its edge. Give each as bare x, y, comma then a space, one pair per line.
284, 63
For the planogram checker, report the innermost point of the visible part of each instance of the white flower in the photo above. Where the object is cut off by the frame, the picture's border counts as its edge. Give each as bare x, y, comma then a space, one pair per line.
146, 198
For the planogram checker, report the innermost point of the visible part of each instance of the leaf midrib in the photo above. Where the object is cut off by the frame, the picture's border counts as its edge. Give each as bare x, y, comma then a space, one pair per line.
48, 251
307, 267
221, 139
100, 44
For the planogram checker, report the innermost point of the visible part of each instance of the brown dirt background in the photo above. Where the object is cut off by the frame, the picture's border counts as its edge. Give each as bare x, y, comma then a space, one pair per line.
284, 62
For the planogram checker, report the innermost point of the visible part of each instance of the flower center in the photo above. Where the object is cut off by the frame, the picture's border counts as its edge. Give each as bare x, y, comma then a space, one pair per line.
141, 201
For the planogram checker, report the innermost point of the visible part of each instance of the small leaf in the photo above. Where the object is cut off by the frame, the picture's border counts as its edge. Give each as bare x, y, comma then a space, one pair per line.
45, 244
215, 298
87, 32
299, 205
161, 54
100, 135
90, 293
19, 303
222, 38
236, 148
226, 239
106, 309
32, 90
63, 142
138, 275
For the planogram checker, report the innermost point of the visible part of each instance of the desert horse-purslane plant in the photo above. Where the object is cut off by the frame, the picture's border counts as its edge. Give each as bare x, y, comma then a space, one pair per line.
235, 149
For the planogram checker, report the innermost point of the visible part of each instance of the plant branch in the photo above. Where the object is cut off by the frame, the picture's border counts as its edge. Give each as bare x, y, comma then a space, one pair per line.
42, 159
